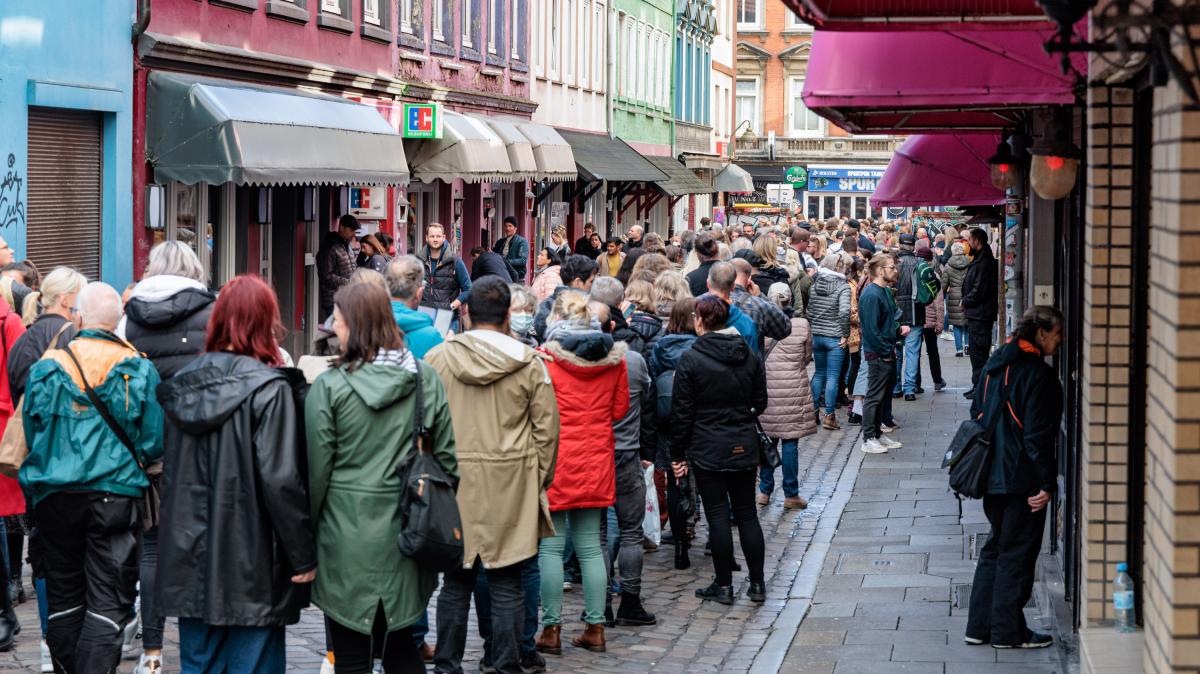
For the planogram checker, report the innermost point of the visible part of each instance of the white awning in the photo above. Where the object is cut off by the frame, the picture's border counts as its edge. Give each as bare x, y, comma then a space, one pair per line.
469, 149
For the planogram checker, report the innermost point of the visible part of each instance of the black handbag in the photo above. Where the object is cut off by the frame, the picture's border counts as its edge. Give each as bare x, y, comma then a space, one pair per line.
768, 449
431, 526
969, 456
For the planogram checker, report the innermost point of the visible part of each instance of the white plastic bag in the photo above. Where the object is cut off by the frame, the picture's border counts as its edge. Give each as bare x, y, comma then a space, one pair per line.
651, 526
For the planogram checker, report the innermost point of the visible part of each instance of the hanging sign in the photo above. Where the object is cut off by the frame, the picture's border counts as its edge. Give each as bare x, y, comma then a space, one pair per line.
421, 120
797, 176
368, 203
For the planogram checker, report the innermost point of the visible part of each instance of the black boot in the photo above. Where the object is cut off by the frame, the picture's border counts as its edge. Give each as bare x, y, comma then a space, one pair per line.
682, 561
722, 594
631, 613
757, 592
9, 626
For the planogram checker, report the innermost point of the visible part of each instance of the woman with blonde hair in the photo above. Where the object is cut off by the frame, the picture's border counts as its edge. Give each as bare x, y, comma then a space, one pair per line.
669, 288
768, 270
648, 267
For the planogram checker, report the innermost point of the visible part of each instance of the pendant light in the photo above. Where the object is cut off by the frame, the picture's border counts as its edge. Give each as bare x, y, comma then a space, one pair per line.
1003, 167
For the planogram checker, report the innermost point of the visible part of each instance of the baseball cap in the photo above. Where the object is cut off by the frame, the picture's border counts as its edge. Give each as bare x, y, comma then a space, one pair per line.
908, 239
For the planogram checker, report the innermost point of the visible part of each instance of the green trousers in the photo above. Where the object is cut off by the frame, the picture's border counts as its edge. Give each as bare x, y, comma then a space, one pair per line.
585, 534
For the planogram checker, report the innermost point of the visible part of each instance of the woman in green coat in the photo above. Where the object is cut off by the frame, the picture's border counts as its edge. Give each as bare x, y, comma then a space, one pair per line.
359, 418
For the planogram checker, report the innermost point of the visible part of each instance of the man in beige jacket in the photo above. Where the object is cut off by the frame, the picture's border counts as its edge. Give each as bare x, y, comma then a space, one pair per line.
506, 430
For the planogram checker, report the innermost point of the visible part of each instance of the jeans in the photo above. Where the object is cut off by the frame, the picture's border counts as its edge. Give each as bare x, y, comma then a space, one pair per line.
912, 358
531, 583
585, 534
790, 453
860, 380
1006, 569
721, 490
631, 511
453, 610
231, 650
935, 359
880, 377
152, 623
827, 359
980, 335
960, 337
89, 553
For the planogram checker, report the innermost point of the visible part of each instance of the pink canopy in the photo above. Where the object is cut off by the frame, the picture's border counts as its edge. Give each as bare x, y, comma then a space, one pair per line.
940, 170
934, 81
900, 15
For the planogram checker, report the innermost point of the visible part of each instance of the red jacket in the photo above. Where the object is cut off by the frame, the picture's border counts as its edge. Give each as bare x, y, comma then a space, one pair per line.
12, 499
592, 396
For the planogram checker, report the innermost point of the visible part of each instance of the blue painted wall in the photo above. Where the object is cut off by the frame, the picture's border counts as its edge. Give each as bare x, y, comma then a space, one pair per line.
69, 54
693, 61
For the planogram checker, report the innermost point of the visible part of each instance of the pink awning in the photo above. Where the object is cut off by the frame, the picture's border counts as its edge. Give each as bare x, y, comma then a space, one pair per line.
933, 81
900, 15
940, 170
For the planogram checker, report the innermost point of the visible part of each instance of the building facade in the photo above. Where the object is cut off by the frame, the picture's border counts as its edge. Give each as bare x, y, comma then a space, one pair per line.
696, 29
66, 97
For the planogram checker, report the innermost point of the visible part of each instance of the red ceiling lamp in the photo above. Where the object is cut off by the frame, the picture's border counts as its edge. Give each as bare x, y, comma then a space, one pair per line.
1053, 167
1003, 167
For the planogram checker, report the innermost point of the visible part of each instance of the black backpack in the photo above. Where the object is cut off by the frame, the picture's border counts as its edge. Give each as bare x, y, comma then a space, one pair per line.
431, 527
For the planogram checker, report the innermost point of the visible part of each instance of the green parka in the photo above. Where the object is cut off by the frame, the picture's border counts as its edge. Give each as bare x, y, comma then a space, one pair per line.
359, 427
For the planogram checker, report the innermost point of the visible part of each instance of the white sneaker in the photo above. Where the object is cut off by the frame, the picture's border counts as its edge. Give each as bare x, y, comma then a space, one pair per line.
873, 446
47, 663
946, 337
889, 443
152, 664
888, 429
327, 664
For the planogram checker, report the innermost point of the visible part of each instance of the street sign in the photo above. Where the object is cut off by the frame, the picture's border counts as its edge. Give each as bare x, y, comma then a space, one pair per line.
368, 203
797, 176
421, 120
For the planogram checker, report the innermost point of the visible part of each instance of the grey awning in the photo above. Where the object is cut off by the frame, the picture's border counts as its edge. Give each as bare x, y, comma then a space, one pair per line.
734, 179
520, 151
468, 149
680, 179
218, 131
602, 158
553, 155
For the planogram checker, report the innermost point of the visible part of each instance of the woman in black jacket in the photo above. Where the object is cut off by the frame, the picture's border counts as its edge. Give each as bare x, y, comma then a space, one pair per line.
1020, 398
720, 389
236, 549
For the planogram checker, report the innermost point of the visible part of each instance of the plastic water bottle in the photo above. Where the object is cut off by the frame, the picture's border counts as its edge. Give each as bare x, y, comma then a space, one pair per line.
1125, 621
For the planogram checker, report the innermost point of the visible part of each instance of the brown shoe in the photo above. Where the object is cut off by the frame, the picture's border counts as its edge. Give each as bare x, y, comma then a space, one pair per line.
426, 652
591, 639
794, 503
830, 422
550, 640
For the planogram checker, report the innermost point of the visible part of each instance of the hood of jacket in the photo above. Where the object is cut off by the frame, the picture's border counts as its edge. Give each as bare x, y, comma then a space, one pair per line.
410, 320
959, 261
750, 256
201, 396
668, 350
1009, 353
586, 353
827, 281
645, 324
483, 357
726, 348
165, 300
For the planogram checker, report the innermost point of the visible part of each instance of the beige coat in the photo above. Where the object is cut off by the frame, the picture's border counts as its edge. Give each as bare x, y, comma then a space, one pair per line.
506, 431
790, 413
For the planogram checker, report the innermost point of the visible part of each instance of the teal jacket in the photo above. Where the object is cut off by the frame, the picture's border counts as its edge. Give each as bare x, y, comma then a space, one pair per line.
419, 333
71, 448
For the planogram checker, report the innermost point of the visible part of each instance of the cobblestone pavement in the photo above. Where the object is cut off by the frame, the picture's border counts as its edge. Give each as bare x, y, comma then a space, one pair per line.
896, 557
691, 635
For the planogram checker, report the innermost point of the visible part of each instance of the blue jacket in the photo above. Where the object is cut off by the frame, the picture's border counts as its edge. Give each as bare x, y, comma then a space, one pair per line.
419, 333
738, 320
71, 448
879, 317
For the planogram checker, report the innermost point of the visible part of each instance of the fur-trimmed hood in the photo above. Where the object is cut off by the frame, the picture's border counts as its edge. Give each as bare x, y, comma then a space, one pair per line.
574, 352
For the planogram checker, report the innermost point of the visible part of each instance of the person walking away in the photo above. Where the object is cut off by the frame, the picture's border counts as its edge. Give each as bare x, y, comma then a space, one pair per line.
912, 316
681, 334
720, 389
236, 492
446, 280
956, 271
829, 319
979, 302
1020, 399
881, 331
514, 249
84, 477
790, 414
769, 320
644, 321
549, 273
487, 263
359, 426
405, 276
590, 385
166, 318
934, 314
505, 470
335, 264
577, 273
708, 252
372, 254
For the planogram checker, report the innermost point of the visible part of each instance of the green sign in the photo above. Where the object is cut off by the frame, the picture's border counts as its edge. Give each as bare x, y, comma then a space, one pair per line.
421, 120
797, 176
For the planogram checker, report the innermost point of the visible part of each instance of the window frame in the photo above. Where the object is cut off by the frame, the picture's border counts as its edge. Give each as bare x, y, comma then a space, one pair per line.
750, 26
795, 89
340, 21
756, 117
289, 10
381, 31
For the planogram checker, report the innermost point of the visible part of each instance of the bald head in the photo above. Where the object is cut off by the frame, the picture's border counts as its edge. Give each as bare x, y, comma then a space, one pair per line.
721, 277
99, 306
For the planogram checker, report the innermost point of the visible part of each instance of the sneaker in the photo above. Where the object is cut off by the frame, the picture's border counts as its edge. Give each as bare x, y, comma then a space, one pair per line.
854, 419
958, 354
889, 443
873, 446
919, 390
973, 641
888, 428
1032, 640
909, 397
532, 663
946, 337
48, 664
152, 664
762, 499
567, 586
969, 394
939, 386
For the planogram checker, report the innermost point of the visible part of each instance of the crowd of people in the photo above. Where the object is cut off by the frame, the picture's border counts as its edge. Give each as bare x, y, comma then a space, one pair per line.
172, 463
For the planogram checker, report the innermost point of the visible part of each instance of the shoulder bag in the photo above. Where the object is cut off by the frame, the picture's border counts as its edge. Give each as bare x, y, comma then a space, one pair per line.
969, 456
430, 524
152, 498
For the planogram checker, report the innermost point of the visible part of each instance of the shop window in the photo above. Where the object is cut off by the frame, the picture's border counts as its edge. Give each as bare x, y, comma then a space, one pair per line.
860, 208
201, 216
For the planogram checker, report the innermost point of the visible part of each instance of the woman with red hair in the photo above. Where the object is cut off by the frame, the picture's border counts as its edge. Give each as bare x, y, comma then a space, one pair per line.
236, 548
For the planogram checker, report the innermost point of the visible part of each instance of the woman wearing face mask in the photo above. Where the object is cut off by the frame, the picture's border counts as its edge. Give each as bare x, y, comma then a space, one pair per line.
520, 319
549, 264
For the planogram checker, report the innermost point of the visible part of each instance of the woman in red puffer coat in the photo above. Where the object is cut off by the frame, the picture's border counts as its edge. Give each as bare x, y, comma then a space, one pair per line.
591, 385
12, 499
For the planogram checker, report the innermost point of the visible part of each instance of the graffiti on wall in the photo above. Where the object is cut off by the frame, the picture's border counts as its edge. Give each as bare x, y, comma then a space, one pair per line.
12, 201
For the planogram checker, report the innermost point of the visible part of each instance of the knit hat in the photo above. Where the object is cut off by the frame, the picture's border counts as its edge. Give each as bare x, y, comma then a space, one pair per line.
924, 253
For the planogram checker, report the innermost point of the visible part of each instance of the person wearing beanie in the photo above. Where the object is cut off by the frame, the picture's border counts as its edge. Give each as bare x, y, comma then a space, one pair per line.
912, 314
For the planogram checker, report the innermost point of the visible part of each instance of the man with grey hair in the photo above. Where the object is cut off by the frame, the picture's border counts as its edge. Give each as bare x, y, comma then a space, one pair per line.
405, 276
607, 290
84, 476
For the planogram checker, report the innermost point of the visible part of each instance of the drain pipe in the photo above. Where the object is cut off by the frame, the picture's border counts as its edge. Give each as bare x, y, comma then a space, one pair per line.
142, 21
610, 67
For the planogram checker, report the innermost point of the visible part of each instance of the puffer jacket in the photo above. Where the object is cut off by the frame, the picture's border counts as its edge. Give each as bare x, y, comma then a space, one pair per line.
935, 313
592, 389
446, 279
663, 360
649, 327
790, 413
956, 271
235, 511
166, 318
12, 501
546, 281
829, 305
28, 349
911, 313
720, 389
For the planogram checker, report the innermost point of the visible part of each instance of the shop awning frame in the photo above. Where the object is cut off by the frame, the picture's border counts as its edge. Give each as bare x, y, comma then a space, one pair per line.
681, 181
940, 170
201, 129
599, 157
468, 149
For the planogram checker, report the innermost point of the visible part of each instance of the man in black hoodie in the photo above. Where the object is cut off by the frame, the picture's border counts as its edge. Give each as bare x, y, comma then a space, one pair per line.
980, 302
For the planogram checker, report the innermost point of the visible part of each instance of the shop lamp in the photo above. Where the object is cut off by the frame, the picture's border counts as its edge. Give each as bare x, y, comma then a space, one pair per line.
1053, 168
402, 206
1003, 167
530, 197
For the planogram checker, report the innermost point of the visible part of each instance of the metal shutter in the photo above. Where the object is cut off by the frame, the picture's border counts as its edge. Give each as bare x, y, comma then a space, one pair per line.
63, 220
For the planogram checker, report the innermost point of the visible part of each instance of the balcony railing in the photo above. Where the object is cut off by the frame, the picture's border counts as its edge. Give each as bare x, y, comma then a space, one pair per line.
693, 138
818, 148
